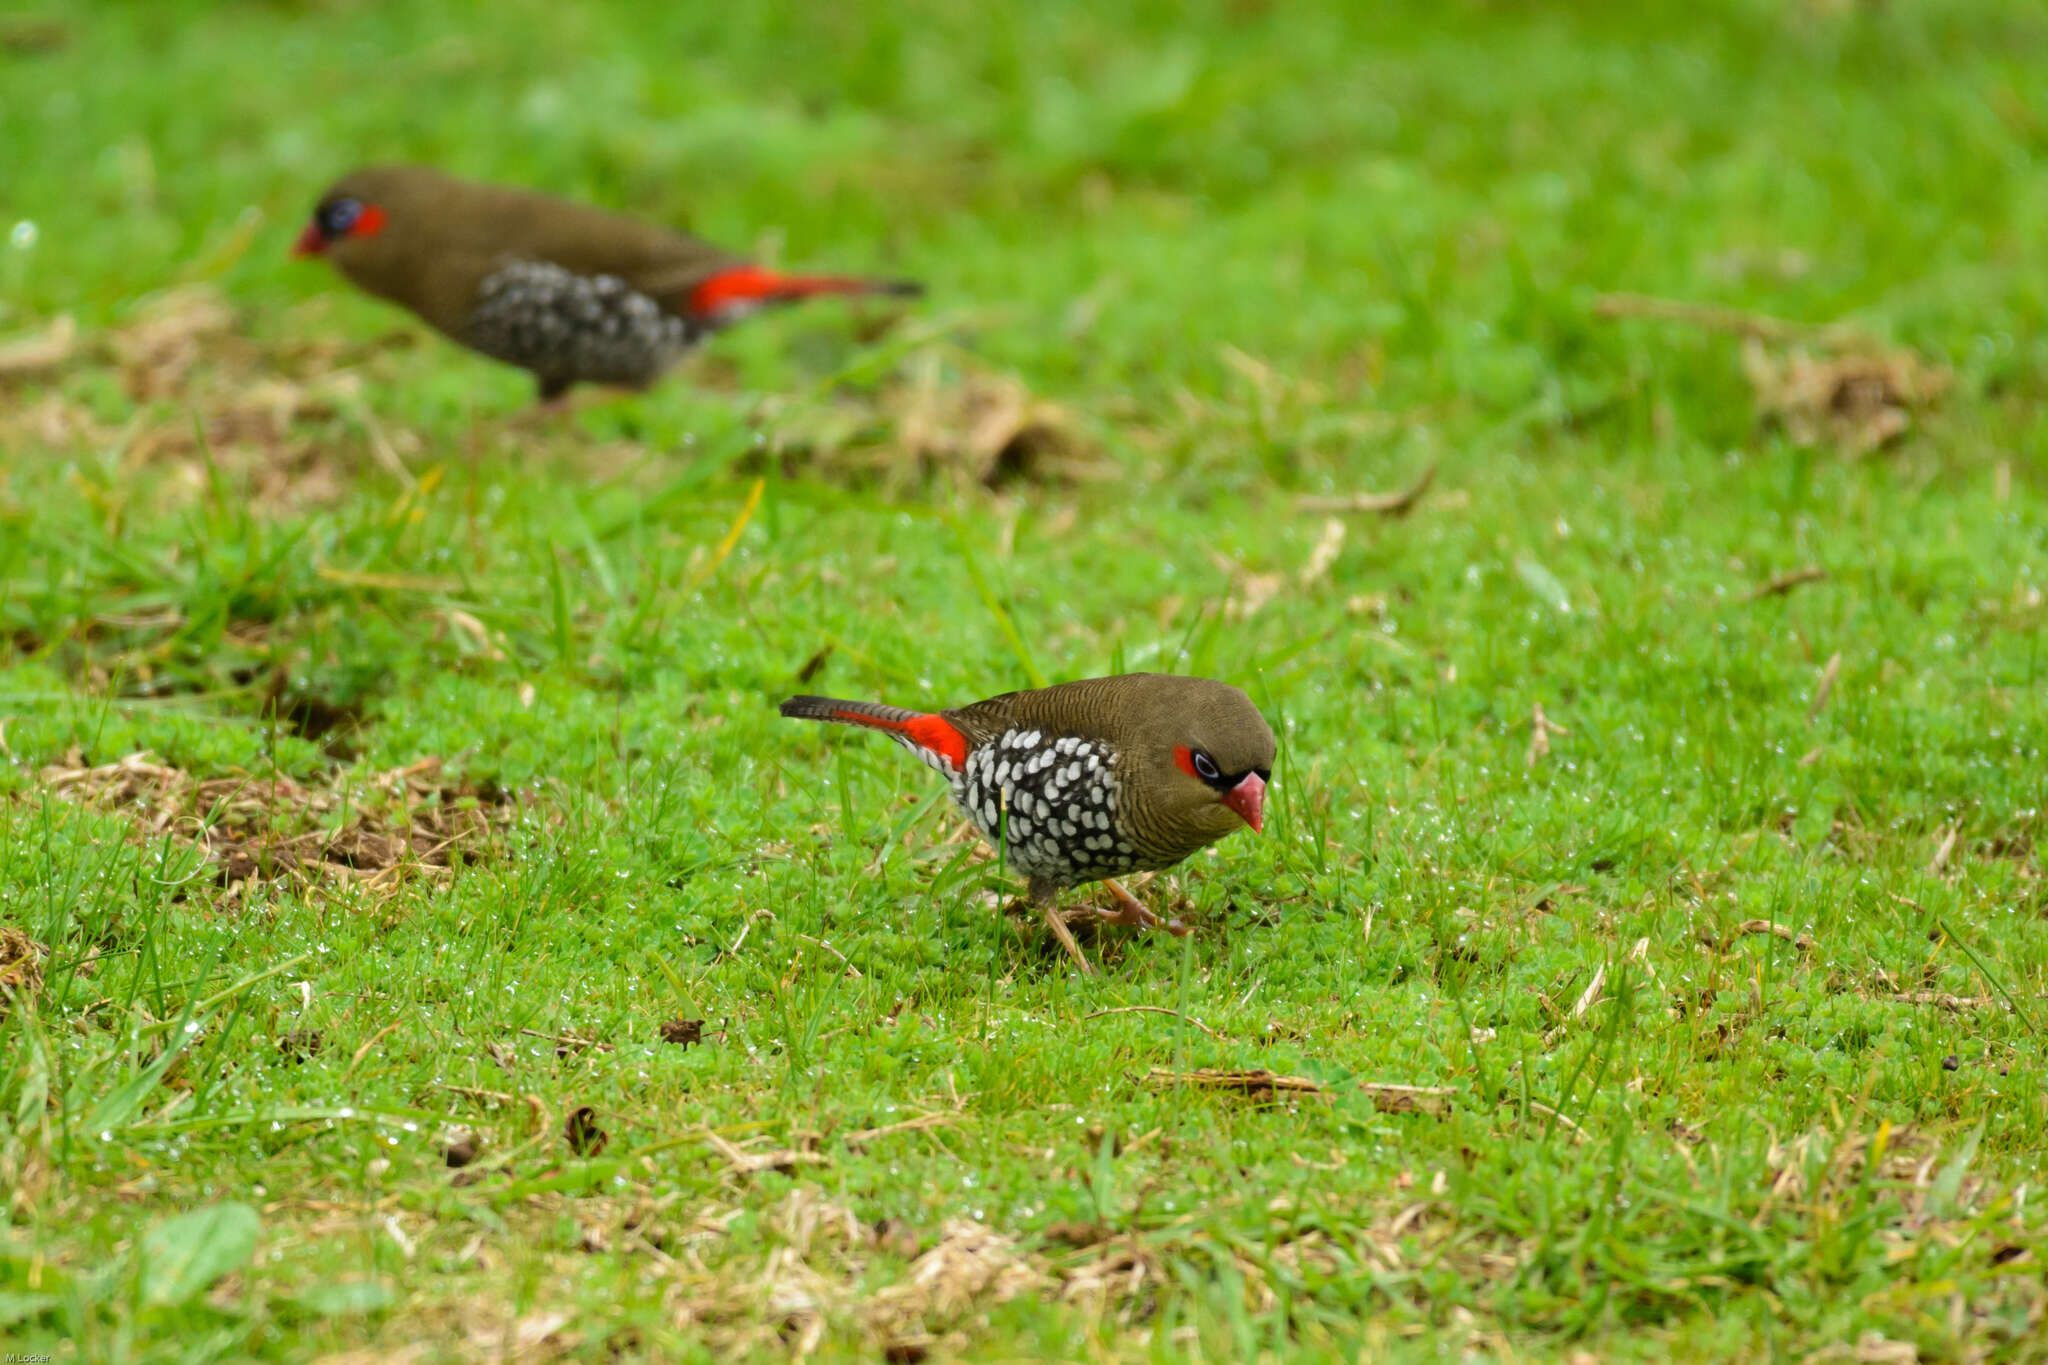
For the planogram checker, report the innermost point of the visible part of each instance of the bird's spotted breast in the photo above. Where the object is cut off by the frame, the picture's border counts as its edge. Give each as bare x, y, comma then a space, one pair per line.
569, 327
1051, 801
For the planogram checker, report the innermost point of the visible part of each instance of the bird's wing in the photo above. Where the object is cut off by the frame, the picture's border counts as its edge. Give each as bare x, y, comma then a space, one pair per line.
664, 265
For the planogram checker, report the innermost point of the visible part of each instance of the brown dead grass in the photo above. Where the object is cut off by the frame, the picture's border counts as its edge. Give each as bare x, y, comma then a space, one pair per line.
940, 415
288, 421
971, 1265
1258, 1084
1823, 385
812, 1269
810, 1282
21, 967
262, 830
1820, 1168
1266, 1087
1855, 400
283, 421
1395, 504
41, 351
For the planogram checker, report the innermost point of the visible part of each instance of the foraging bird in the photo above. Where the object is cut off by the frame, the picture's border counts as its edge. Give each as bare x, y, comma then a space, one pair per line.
1089, 780
571, 293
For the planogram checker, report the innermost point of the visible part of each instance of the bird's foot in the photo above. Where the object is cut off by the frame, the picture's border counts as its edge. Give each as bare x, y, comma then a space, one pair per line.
1132, 912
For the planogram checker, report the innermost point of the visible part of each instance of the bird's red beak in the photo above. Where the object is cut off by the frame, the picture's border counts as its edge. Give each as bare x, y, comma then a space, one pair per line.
310, 242
1248, 799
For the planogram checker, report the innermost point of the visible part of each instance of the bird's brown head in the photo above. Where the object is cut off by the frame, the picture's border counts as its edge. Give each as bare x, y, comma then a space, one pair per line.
1213, 752
369, 220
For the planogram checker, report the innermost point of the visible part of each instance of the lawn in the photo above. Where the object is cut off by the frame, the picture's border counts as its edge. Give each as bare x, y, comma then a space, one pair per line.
1605, 439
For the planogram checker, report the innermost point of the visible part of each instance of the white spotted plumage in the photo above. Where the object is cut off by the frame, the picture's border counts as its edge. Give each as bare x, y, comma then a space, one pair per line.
1043, 799
570, 327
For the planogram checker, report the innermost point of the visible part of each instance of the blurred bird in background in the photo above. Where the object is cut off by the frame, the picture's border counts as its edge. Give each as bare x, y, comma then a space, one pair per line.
569, 293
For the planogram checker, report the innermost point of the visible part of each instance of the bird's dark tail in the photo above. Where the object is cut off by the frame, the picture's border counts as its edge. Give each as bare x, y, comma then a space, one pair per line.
751, 286
872, 714
917, 730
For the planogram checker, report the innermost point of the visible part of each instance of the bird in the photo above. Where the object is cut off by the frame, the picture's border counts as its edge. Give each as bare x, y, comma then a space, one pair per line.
1089, 780
572, 294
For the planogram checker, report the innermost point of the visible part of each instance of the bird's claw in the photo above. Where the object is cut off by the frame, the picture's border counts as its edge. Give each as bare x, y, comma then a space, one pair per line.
1131, 914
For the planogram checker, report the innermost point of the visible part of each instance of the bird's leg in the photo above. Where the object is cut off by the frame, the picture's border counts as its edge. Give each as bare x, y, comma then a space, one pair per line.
552, 397
1046, 896
1130, 910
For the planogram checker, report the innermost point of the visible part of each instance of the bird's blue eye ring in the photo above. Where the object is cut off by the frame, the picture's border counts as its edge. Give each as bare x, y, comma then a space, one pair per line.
337, 216
1205, 767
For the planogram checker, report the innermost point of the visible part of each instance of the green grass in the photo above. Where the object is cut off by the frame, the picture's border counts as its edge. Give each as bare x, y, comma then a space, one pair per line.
1251, 252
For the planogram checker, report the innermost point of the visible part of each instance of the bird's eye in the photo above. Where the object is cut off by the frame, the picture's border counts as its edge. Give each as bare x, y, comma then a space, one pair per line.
337, 216
1205, 767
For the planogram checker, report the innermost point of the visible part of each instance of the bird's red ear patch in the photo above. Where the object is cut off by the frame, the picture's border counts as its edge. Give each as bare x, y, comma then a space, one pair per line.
335, 220
1185, 757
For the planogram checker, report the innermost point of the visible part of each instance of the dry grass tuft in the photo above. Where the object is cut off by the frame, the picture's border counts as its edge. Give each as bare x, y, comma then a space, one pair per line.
1803, 942
157, 352
1785, 582
989, 424
1390, 1098
811, 1282
813, 1223
1121, 1277
536, 1336
942, 415
969, 1266
1541, 728
1855, 400
1824, 385
21, 966
1259, 1084
39, 352
285, 421
274, 830
743, 1163
1395, 504
1266, 1087
1821, 1167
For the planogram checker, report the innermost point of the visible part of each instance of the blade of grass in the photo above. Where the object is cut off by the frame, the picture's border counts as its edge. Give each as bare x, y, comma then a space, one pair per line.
732, 535
2012, 1001
995, 607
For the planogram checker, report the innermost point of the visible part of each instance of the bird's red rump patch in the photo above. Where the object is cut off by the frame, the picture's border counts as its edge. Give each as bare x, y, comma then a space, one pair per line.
757, 284
1185, 757
927, 732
